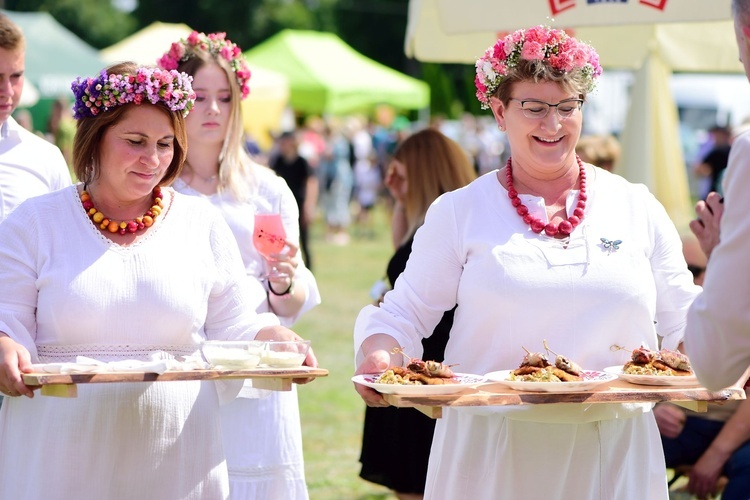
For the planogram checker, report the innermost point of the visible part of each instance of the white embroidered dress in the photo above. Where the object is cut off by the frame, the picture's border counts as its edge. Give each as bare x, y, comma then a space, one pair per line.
262, 433
65, 291
514, 289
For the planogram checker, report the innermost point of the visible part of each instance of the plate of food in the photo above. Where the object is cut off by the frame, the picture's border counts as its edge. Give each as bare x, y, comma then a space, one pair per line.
419, 377
389, 383
537, 374
589, 379
663, 367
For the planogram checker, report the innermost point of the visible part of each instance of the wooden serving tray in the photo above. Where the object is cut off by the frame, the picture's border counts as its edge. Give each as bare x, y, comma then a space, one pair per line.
694, 398
64, 385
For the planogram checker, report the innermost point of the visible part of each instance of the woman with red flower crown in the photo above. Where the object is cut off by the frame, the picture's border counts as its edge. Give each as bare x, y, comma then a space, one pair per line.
120, 268
546, 248
261, 429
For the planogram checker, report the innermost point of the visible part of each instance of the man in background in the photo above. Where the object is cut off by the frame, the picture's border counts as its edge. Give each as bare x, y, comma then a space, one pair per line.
29, 165
303, 181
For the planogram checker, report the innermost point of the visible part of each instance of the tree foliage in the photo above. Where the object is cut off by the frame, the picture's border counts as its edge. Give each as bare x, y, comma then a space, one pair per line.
376, 28
96, 22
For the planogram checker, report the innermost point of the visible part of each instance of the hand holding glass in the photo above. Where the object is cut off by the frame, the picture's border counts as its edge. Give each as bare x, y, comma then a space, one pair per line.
269, 238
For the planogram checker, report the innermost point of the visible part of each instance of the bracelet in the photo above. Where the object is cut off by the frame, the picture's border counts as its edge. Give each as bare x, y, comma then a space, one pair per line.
286, 293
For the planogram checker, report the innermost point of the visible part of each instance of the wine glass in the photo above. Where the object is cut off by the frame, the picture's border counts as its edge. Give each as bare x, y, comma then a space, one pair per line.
269, 238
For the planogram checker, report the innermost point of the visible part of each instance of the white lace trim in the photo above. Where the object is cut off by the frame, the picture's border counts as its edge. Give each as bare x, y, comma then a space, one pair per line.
290, 471
113, 352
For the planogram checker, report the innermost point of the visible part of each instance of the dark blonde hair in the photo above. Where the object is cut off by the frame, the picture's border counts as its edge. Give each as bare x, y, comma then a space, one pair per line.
434, 165
11, 36
600, 150
234, 161
536, 71
90, 131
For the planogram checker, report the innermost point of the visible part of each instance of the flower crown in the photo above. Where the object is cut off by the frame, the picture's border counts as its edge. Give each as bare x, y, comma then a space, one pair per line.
94, 95
541, 43
214, 43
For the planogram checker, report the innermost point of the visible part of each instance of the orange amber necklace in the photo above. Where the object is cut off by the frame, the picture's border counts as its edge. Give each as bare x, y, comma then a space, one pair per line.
122, 227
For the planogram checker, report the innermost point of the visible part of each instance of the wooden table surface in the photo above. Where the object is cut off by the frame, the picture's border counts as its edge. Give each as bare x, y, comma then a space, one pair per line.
695, 398
64, 385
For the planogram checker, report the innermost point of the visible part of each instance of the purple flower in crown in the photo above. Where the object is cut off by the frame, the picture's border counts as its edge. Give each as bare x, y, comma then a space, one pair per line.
94, 95
540, 43
216, 44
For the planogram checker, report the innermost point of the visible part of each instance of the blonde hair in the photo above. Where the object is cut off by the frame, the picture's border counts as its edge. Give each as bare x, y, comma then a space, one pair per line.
11, 36
434, 165
235, 164
575, 82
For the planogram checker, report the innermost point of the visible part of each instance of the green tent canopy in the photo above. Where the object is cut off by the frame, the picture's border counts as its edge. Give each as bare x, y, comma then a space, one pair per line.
54, 55
327, 76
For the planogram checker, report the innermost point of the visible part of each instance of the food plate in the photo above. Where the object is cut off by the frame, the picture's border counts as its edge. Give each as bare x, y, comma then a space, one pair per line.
676, 380
590, 380
465, 380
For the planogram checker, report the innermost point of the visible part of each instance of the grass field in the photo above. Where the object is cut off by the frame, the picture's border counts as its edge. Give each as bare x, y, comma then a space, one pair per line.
331, 411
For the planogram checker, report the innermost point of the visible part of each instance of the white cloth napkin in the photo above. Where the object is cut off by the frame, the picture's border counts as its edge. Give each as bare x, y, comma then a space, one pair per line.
159, 363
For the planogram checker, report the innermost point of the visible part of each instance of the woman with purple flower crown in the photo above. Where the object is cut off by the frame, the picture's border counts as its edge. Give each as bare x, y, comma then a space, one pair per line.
120, 267
546, 248
261, 429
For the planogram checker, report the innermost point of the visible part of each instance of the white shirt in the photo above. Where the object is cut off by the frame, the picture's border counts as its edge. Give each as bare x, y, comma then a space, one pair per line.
717, 338
29, 166
515, 289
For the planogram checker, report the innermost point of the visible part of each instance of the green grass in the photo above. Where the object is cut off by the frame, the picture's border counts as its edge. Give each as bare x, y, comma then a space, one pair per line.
331, 410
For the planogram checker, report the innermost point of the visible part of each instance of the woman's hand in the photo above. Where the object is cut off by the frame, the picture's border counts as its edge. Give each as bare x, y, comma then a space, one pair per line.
14, 360
378, 360
280, 334
285, 262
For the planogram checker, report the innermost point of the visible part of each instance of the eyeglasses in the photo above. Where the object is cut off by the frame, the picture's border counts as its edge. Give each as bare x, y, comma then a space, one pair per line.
540, 109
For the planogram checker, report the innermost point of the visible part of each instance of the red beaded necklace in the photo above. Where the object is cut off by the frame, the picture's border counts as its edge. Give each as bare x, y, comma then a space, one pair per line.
113, 226
566, 227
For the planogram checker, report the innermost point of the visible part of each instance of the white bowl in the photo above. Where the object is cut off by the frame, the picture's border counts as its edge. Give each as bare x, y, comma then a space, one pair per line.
288, 354
233, 354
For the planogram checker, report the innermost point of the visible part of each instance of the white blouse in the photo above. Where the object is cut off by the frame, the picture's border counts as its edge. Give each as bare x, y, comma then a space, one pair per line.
67, 291
514, 290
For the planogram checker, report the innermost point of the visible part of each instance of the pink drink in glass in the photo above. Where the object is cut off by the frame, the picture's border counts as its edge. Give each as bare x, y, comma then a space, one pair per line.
269, 235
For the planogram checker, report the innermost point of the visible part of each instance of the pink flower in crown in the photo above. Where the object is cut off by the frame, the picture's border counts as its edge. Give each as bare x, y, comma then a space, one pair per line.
140, 78
193, 38
537, 34
579, 56
532, 51
226, 52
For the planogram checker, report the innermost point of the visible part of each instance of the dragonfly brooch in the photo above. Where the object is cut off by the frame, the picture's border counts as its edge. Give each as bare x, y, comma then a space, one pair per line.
610, 245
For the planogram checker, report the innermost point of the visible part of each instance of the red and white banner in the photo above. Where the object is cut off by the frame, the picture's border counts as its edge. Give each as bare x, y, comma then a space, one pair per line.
471, 16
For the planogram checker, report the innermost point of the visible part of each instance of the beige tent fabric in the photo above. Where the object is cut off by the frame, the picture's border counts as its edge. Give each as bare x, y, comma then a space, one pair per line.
262, 110
459, 32
652, 156
470, 16
147, 45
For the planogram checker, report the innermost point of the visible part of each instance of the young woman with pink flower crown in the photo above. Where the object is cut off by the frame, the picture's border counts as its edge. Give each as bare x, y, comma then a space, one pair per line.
120, 267
261, 429
546, 248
